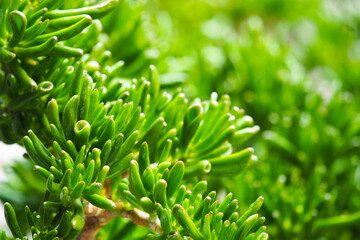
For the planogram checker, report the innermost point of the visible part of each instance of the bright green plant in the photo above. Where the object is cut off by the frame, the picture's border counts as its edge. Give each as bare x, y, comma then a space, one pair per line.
107, 146
294, 66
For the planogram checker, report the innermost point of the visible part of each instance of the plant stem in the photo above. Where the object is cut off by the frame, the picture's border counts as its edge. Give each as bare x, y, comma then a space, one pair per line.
97, 218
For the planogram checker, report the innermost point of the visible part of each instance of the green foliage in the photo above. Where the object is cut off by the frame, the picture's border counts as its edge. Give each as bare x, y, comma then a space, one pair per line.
99, 115
293, 65
99, 139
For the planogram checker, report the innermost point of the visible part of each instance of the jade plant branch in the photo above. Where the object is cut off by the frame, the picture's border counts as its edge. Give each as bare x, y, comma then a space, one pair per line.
95, 218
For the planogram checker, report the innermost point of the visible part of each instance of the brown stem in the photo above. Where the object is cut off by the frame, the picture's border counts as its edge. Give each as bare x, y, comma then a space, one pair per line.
95, 218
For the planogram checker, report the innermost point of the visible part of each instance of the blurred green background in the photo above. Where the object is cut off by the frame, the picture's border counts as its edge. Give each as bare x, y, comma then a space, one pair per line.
294, 66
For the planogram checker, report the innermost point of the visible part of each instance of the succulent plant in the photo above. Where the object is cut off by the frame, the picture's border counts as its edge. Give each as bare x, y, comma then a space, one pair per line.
107, 146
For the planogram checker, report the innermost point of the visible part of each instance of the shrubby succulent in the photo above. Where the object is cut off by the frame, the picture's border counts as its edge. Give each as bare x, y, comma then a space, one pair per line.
109, 146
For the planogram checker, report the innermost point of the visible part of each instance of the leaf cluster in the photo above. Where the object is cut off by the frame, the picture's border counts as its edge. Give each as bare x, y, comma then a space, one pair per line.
120, 145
